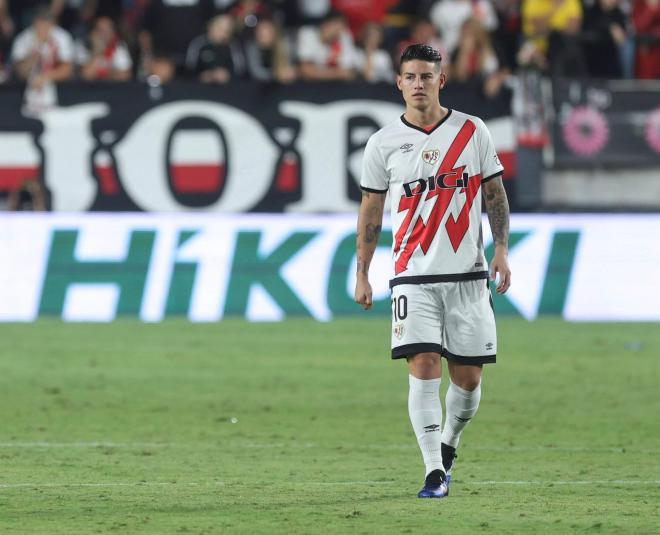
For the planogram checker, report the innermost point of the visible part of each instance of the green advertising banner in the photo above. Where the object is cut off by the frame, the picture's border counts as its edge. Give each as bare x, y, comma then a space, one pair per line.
96, 267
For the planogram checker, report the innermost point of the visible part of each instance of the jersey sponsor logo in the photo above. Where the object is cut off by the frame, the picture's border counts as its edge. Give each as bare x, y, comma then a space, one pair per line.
431, 156
451, 180
422, 234
407, 147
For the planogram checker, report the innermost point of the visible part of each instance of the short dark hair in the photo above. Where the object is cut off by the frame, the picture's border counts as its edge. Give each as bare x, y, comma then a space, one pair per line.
43, 12
422, 53
332, 14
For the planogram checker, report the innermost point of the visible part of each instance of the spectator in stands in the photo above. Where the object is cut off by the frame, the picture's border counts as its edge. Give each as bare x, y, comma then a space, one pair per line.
267, 54
506, 38
167, 30
474, 61
448, 17
132, 14
373, 63
42, 55
216, 56
247, 13
75, 16
646, 20
30, 195
400, 16
552, 28
23, 11
603, 34
103, 55
327, 52
312, 12
422, 31
6, 35
360, 12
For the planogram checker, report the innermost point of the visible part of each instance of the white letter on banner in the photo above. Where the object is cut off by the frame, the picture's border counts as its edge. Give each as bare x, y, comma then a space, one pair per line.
142, 161
67, 141
322, 144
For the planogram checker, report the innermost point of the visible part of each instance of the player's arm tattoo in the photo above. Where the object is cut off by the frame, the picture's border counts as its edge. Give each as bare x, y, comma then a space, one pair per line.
497, 207
372, 233
369, 227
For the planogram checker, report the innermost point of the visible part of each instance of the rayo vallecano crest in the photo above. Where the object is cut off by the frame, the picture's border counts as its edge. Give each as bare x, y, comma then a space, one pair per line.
431, 156
398, 330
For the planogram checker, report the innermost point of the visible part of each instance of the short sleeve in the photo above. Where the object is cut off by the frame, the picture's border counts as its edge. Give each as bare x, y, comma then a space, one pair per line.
80, 52
21, 48
122, 59
491, 166
65, 46
374, 174
308, 44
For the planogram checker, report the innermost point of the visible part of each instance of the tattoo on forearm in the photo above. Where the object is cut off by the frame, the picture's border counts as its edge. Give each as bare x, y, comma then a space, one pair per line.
373, 233
497, 207
368, 229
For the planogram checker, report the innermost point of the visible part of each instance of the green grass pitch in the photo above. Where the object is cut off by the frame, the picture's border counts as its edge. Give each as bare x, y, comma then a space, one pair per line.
302, 427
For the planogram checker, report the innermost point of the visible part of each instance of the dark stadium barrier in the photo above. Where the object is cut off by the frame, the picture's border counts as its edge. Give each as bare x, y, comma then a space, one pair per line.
613, 124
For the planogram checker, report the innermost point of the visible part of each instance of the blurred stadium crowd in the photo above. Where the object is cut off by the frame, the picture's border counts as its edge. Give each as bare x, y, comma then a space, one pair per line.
217, 41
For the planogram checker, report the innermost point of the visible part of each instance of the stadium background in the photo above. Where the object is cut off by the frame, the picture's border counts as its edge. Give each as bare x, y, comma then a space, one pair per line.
170, 221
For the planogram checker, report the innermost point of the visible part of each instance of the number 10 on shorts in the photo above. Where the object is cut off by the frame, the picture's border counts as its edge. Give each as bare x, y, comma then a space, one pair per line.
399, 308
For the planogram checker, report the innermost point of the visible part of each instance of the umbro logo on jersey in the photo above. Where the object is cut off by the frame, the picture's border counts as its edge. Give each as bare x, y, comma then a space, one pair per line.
489, 345
430, 156
431, 428
408, 147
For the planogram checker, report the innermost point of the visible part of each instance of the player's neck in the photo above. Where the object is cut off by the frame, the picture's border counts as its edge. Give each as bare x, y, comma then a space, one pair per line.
427, 117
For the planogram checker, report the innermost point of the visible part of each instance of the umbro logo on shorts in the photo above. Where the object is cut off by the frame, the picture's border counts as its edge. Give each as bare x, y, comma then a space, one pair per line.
408, 147
431, 428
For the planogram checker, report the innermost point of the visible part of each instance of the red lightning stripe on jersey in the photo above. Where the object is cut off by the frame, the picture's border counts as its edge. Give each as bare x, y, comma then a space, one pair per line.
423, 234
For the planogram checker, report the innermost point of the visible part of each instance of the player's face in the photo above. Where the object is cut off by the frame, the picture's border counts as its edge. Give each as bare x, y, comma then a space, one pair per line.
420, 83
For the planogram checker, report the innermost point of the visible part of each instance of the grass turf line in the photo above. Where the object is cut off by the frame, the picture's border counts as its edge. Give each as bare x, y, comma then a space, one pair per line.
302, 427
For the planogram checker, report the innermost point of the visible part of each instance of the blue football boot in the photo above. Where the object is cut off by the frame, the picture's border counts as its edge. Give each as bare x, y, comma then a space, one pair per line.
434, 486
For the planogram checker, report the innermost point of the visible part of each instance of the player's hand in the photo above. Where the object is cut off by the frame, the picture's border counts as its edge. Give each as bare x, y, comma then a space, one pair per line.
500, 264
363, 292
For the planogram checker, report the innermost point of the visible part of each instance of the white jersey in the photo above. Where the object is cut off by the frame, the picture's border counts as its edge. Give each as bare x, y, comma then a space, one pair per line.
434, 179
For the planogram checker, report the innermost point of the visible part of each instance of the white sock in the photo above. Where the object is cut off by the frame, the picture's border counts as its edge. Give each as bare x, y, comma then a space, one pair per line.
461, 405
425, 412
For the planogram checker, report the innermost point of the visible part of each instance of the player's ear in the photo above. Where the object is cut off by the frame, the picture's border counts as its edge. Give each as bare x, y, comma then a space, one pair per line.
398, 81
443, 79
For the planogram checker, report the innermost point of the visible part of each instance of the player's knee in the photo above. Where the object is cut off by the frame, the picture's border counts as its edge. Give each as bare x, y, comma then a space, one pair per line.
424, 365
469, 383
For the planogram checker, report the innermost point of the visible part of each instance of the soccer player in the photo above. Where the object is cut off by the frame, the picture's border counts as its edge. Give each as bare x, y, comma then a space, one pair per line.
436, 164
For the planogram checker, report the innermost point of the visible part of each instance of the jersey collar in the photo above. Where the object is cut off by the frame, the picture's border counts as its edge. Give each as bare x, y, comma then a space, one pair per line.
429, 132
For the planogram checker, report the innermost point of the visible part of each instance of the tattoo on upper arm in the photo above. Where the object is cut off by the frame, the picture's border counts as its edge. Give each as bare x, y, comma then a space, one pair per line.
497, 207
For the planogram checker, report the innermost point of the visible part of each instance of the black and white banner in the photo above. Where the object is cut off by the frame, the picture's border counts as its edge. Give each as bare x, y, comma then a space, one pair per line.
240, 148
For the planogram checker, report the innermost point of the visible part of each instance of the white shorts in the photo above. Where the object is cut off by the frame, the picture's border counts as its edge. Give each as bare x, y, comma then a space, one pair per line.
454, 319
